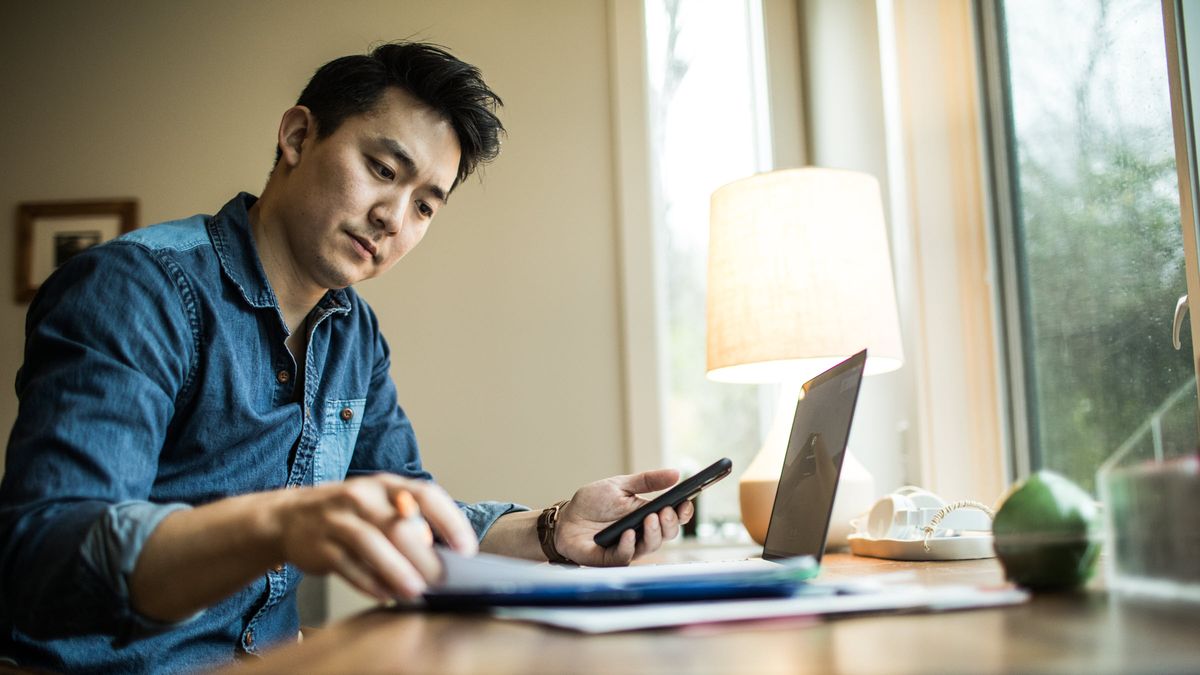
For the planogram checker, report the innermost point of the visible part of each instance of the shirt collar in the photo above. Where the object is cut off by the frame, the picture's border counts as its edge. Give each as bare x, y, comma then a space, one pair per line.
234, 243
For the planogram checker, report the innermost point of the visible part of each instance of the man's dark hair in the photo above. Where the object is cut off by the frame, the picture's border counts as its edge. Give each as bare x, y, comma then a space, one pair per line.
353, 85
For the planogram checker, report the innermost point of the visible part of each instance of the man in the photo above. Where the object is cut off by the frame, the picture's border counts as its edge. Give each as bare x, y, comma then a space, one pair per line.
178, 381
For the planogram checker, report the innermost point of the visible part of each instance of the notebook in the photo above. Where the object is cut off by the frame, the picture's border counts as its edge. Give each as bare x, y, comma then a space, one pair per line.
795, 540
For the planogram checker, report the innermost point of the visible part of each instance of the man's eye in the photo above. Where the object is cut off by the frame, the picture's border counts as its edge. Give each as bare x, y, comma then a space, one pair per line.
425, 210
383, 171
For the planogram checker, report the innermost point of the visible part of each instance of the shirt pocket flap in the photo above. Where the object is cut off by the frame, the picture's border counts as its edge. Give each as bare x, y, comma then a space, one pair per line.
343, 418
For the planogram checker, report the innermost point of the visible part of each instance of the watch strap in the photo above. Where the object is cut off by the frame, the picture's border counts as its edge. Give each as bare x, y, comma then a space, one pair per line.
547, 526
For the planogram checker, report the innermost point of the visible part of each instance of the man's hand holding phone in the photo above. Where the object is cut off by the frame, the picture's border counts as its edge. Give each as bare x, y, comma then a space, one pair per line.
676, 497
596, 505
635, 526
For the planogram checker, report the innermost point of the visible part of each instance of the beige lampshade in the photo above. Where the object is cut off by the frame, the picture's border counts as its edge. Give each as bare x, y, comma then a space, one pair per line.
799, 277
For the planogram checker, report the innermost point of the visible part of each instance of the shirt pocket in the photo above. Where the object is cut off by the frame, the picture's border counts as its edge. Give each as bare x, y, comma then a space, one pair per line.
343, 418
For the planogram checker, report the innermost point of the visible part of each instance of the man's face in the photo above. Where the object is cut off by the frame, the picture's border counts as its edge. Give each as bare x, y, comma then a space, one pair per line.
361, 198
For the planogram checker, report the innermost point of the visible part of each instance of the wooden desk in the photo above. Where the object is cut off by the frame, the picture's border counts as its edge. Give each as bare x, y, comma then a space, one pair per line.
1084, 632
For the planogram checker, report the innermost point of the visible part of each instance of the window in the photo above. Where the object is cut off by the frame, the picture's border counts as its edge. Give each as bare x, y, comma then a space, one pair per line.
708, 127
1094, 256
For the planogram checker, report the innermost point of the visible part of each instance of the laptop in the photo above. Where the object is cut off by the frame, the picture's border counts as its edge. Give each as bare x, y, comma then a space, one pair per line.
808, 482
794, 543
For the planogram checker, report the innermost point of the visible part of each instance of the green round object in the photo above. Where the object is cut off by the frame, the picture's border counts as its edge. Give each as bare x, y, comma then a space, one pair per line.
1047, 533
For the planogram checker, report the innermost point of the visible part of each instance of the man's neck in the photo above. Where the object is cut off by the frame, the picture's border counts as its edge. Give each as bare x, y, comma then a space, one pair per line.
296, 295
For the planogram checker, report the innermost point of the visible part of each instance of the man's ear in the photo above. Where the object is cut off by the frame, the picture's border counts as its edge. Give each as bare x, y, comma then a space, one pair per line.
297, 126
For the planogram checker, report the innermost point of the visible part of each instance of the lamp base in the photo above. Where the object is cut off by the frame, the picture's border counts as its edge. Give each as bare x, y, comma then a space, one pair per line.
757, 498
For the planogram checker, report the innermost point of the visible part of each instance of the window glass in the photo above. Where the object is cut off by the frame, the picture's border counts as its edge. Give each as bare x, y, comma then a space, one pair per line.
1099, 250
705, 110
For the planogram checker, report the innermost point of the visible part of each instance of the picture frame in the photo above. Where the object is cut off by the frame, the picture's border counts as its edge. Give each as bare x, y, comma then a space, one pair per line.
49, 233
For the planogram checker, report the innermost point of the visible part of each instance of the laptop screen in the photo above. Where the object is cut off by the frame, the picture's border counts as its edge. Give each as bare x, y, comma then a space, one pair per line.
808, 482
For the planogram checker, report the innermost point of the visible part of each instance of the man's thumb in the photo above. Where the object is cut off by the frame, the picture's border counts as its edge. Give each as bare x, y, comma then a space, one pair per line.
648, 481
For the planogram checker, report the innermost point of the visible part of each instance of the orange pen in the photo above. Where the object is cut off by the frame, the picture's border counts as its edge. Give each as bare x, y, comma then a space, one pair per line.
406, 506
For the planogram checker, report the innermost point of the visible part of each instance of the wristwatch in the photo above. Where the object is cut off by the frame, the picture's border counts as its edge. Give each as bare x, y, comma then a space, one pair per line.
547, 525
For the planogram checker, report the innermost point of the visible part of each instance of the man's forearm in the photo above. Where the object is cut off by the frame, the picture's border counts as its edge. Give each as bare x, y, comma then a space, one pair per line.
514, 534
199, 556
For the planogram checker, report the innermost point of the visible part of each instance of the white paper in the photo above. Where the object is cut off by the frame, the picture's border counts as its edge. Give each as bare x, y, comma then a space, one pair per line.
499, 573
637, 617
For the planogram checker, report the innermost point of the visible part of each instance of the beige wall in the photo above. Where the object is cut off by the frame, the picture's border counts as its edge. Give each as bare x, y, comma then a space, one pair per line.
503, 324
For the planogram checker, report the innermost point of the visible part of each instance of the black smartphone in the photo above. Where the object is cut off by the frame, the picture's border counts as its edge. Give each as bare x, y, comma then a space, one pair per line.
674, 497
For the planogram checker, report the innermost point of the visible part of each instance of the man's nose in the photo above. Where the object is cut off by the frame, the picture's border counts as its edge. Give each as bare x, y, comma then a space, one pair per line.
388, 215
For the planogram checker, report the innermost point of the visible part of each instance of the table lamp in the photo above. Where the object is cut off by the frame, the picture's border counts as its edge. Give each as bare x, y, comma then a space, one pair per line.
799, 278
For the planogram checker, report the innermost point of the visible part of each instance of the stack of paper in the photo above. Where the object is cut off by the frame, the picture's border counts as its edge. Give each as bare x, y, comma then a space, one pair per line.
602, 600
637, 617
488, 580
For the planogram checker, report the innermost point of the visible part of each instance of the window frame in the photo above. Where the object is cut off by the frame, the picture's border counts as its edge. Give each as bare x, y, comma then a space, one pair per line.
1002, 211
639, 209
638, 231
1183, 46
1004, 203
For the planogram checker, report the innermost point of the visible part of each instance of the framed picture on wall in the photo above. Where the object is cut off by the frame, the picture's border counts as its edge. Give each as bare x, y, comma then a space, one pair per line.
50, 233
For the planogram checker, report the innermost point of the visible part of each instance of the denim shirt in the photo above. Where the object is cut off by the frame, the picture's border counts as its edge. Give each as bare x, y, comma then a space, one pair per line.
156, 378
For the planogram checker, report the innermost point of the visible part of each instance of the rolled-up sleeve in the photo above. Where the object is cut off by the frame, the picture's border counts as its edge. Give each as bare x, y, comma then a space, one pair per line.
111, 548
482, 515
387, 442
105, 364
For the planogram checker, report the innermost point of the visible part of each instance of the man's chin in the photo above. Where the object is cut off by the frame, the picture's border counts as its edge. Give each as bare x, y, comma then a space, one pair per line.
336, 280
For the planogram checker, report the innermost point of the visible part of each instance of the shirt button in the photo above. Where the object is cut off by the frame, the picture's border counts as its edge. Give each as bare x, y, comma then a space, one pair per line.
283, 376
347, 414
249, 638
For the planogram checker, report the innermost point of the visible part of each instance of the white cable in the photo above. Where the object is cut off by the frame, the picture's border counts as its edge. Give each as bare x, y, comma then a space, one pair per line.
942, 513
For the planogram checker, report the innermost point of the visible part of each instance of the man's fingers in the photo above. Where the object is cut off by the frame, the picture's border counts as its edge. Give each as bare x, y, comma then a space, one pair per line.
668, 520
412, 538
375, 498
359, 577
371, 548
623, 552
648, 481
652, 535
447, 520
685, 512
436, 507
411, 521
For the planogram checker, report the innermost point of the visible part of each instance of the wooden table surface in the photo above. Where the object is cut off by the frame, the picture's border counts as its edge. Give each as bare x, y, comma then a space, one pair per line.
1082, 632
